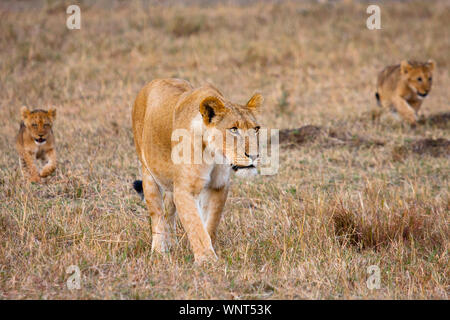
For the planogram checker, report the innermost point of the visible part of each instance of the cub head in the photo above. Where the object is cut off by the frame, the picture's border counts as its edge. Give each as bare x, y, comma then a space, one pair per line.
38, 123
235, 132
419, 76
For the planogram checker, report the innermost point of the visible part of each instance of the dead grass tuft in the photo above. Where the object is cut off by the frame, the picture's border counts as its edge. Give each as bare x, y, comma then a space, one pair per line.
372, 230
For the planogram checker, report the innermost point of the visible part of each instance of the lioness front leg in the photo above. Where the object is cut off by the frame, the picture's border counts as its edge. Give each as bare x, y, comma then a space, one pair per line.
216, 203
50, 165
187, 206
405, 110
161, 231
170, 212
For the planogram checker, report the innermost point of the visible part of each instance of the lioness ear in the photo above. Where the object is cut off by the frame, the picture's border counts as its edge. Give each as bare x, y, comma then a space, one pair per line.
210, 108
405, 67
431, 65
52, 113
24, 112
255, 102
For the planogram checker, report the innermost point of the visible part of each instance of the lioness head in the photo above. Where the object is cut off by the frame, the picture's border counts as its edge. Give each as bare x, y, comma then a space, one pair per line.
419, 76
238, 138
38, 123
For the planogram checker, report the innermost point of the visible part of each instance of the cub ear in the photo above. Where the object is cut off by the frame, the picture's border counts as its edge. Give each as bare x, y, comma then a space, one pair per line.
52, 113
24, 112
431, 65
255, 102
405, 67
210, 108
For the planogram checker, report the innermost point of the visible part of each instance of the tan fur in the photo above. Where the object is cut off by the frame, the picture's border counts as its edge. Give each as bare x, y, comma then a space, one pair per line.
198, 191
403, 87
34, 141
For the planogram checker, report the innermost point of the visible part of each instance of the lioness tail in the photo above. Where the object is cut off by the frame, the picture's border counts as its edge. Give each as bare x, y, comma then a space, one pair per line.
377, 95
137, 185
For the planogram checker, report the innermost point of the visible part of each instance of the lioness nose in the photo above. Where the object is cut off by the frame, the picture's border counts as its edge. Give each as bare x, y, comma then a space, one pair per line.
252, 157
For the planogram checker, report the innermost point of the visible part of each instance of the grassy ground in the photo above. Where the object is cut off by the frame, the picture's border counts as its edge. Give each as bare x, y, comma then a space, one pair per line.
359, 194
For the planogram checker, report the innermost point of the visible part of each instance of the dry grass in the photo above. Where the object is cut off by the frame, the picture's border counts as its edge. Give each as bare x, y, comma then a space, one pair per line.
336, 206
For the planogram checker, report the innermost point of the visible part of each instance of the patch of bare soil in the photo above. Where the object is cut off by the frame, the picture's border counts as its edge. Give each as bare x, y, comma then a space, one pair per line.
296, 137
440, 120
293, 138
433, 147
344, 136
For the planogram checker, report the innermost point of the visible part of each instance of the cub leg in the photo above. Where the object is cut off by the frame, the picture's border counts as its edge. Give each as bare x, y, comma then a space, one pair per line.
50, 165
216, 203
405, 110
186, 202
378, 111
160, 227
416, 106
29, 165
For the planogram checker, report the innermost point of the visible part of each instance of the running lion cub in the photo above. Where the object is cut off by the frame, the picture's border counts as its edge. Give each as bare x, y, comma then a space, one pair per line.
34, 141
403, 87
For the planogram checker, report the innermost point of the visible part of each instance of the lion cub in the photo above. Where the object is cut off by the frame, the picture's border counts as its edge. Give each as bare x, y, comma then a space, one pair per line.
403, 87
35, 140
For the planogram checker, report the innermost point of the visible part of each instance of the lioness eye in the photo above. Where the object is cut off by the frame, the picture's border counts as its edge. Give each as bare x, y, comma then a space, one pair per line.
419, 79
233, 130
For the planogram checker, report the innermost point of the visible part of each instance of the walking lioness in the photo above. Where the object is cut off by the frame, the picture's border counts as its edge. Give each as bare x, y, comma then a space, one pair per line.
404, 86
195, 190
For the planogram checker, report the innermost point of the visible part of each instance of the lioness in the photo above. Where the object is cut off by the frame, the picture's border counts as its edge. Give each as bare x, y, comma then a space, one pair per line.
404, 86
34, 141
197, 192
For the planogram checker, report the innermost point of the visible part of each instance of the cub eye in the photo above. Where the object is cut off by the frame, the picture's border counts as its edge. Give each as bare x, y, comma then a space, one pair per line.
257, 129
34, 125
234, 129
419, 79
430, 78
47, 125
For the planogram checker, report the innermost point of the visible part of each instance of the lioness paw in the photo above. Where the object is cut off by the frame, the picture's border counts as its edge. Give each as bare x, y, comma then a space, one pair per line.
203, 259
